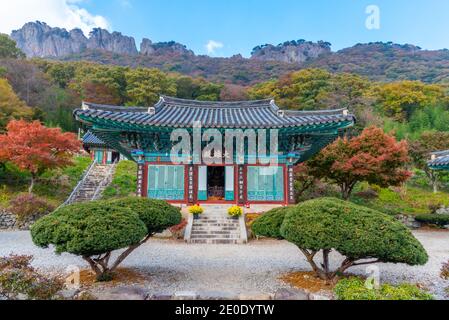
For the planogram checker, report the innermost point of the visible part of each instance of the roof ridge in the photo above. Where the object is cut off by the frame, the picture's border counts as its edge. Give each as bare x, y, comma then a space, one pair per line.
214, 104
316, 112
107, 107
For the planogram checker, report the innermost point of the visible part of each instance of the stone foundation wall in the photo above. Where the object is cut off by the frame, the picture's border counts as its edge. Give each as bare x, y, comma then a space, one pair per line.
8, 221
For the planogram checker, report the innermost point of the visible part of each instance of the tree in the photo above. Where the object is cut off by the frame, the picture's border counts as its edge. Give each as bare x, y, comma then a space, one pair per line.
94, 230
420, 150
36, 148
11, 107
362, 235
8, 48
373, 156
400, 100
144, 86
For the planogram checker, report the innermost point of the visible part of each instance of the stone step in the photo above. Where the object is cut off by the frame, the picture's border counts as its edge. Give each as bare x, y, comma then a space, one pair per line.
217, 232
214, 236
215, 241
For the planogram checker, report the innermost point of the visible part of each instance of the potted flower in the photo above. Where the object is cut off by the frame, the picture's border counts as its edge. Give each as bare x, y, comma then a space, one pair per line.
235, 212
196, 210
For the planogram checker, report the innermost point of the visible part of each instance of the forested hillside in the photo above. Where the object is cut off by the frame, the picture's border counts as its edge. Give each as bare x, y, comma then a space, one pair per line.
49, 90
377, 61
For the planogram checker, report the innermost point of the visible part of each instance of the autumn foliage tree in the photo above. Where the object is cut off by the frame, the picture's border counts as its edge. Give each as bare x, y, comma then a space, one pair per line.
35, 148
373, 156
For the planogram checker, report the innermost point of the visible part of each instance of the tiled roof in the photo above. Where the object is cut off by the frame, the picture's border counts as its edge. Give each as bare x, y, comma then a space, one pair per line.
91, 139
174, 112
439, 159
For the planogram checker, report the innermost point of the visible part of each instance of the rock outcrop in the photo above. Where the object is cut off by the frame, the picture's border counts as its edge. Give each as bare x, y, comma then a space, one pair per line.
148, 48
296, 52
101, 39
37, 39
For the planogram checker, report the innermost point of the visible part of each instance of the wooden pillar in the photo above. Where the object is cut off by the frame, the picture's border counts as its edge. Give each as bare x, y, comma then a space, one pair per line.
190, 184
290, 185
241, 196
140, 184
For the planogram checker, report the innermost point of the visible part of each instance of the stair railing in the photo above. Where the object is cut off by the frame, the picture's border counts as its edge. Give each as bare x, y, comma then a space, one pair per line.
80, 183
104, 182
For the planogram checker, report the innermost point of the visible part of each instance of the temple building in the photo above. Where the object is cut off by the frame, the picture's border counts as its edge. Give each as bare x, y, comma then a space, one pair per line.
99, 151
439, 160
211, 152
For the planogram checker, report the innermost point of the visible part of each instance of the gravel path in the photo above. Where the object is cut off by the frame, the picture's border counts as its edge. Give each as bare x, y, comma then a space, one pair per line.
252, 268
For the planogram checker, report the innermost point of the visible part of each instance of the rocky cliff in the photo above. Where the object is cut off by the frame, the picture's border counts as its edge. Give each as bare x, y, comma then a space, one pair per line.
100, 39
37, 39
148, 48
296, 52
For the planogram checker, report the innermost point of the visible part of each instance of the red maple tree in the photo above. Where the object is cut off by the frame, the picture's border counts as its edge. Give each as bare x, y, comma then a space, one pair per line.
35, 148
373, 156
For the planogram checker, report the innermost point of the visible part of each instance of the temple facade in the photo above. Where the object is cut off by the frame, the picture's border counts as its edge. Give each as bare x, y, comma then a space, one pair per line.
212, 152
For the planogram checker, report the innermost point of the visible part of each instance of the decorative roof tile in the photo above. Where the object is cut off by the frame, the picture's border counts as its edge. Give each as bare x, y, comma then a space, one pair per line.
90, 139
439, 159
174, 112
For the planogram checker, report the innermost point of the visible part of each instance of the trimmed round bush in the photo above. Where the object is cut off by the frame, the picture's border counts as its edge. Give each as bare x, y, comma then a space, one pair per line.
93, 230
269, 224
436, 219
88, 229
356, 232
157, 215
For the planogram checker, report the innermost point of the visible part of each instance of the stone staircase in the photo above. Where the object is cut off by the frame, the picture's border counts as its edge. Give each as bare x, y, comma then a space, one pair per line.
214, 226
97, 178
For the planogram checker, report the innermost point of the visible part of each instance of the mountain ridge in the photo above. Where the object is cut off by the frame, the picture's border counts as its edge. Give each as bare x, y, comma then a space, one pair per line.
380, 61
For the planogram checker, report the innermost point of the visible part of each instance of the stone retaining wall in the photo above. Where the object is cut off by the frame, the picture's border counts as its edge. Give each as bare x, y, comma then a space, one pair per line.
8, 221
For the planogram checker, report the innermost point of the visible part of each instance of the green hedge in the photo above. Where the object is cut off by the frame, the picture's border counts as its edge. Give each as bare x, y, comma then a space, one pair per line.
437, 219
89, 229
269, 224
355, 289
354, 231
157, 215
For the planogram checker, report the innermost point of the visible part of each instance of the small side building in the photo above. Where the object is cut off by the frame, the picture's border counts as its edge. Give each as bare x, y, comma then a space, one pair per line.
99, 151
439, 160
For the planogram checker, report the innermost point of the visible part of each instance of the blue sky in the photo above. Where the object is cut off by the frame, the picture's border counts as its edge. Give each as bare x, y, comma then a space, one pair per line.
240, 25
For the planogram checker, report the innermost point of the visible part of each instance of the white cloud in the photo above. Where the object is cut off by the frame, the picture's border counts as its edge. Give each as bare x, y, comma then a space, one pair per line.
212, 46
67, 14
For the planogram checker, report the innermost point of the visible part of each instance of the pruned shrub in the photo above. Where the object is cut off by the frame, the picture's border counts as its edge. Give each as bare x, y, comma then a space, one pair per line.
355, 289
360, 234
18, 277
433, 218
157, 215
93, 230
269, 224
28, 204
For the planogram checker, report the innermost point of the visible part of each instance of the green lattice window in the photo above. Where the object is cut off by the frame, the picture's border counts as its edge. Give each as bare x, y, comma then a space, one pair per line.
265, 183
166, 182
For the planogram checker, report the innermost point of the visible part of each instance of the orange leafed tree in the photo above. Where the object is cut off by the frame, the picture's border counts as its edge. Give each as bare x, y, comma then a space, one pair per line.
373, 156
35, 148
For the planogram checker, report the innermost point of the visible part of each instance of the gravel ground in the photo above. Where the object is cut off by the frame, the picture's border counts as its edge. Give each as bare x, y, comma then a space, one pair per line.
252, 268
